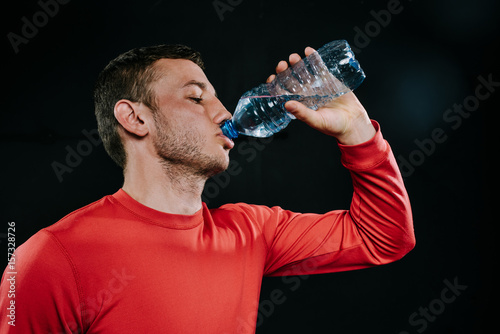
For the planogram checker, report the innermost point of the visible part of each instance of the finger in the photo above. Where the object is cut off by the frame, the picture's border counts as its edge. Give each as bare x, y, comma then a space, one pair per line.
294, 58
282, 65
309, 51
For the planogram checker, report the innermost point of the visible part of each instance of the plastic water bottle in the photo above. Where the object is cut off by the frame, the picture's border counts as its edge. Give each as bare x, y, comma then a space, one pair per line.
317, 79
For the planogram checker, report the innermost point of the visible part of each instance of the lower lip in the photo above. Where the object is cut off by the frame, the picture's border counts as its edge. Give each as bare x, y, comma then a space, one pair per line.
229, 142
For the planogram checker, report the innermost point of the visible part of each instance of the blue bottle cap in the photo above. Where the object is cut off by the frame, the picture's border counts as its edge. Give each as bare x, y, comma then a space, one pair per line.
228, 129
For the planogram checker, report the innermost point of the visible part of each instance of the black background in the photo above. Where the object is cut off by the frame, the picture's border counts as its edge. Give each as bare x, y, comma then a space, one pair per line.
419, 62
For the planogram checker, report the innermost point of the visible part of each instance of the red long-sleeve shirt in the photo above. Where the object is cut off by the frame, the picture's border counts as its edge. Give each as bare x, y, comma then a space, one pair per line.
117, 266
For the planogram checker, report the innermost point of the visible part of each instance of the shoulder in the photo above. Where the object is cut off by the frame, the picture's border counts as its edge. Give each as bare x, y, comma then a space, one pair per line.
244, 209
47, 240
49, 246
252, 213
74, 219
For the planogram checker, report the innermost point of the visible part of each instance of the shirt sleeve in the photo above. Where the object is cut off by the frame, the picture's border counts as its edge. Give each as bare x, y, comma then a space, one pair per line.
35, 278
377, 229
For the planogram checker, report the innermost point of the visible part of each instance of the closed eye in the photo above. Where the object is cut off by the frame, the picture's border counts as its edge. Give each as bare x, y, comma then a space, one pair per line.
197, 100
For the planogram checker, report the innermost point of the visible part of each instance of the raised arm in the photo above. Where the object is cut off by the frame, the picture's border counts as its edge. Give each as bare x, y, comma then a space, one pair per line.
378, 226
377, 229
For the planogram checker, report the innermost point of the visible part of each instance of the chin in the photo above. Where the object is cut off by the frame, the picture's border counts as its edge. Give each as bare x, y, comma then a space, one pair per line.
221, 168
215, 165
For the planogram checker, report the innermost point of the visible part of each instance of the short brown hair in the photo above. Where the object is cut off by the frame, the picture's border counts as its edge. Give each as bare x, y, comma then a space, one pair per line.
129, 76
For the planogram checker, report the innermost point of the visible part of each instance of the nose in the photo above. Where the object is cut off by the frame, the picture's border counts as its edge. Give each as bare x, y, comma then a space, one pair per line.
219, 113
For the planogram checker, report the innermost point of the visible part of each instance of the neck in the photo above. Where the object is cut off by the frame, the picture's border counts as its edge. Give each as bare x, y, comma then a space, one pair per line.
168, 188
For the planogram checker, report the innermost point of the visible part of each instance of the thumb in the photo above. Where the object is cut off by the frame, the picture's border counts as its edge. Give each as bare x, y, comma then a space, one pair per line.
301, 112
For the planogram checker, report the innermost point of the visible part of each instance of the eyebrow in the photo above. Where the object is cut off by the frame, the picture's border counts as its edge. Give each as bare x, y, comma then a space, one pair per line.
200, 84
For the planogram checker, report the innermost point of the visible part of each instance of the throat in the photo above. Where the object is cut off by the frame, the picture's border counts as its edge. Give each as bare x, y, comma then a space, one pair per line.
170, 190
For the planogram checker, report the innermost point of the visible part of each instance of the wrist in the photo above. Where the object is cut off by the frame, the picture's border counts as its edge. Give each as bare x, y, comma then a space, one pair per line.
357, 133
365, 155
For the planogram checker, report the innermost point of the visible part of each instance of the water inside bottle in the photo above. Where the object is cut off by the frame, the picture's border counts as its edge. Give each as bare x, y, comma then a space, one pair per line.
263, 115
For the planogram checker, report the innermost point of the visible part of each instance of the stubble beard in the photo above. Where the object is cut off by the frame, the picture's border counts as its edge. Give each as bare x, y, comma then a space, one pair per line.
181, 151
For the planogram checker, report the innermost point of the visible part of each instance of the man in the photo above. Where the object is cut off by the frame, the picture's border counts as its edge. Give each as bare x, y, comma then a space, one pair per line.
152, 258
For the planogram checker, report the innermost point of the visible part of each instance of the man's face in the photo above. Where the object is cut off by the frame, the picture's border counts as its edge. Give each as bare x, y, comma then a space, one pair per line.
187, 122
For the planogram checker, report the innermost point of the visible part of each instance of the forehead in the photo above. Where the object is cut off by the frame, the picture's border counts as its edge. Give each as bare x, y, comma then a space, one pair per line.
175, 74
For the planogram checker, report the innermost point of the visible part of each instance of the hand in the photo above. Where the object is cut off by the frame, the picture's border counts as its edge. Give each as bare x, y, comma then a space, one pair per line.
343, 118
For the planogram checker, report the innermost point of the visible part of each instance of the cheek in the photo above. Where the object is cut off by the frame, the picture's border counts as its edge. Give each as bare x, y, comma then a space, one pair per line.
189, 113
184, 125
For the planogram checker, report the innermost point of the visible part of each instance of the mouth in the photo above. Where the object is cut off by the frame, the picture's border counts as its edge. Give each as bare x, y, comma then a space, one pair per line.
228, 143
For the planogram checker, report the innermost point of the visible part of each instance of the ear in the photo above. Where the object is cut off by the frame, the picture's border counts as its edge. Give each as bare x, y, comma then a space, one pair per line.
131, 116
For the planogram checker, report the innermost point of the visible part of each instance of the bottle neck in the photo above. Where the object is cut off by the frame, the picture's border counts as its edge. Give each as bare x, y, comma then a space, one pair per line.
228, 129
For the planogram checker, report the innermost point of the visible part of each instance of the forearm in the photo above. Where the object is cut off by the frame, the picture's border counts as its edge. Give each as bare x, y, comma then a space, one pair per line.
380, 207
